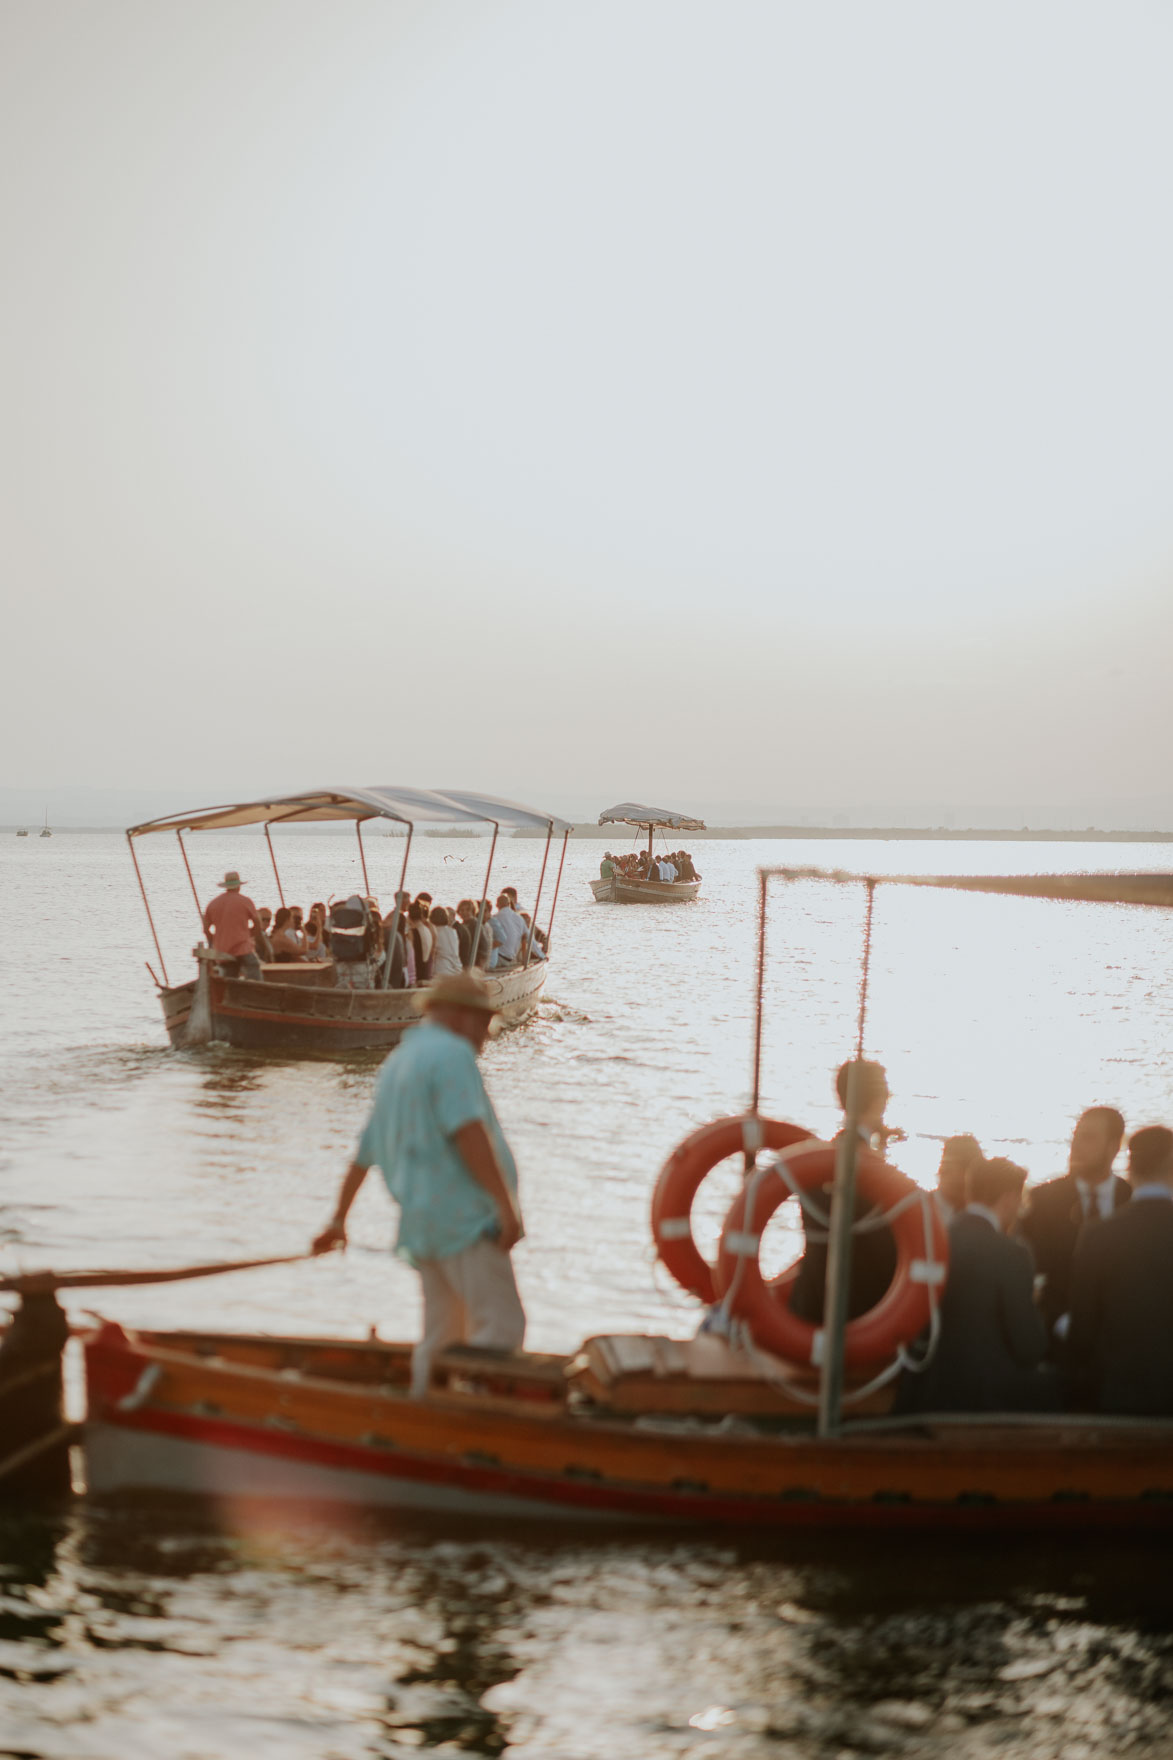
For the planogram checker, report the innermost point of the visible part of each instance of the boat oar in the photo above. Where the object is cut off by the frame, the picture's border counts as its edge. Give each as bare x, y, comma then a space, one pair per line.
37, 1282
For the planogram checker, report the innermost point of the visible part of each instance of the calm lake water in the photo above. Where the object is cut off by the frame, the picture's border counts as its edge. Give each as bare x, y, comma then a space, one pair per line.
159, 1633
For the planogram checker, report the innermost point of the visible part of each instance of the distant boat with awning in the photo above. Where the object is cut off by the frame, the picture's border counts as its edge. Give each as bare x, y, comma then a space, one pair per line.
344, 1002
645, 886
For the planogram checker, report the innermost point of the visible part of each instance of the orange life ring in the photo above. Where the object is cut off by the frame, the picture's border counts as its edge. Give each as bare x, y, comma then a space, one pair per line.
922, 1257
681, 1178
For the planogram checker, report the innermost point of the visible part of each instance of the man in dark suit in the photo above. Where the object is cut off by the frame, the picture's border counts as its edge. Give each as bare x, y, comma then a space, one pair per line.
873, 1255
1089, 1192
992, 1339
1121, 1332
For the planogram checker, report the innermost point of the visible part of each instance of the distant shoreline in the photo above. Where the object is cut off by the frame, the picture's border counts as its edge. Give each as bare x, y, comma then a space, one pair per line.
739, 833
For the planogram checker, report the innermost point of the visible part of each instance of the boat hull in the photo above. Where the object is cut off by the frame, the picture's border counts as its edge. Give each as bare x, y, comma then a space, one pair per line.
169, 1413
293, 1016
620, 891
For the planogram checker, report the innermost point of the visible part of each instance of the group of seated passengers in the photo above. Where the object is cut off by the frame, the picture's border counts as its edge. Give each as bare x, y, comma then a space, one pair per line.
1057, 1299
677, 865
431, 940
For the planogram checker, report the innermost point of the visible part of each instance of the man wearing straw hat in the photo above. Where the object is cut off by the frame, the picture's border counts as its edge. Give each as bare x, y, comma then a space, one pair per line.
435, 1138
230, 922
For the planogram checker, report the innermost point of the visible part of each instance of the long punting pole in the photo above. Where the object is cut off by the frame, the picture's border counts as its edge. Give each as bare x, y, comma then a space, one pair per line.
191, 882
397, 913
557, 885
363, 859
273, 859
476, 940
755, 1103
843, 1216
529, 940
147, 907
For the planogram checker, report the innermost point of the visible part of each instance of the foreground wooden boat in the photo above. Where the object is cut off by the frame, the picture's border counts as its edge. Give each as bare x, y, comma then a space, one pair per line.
620, 888
321, 1006
304, 1420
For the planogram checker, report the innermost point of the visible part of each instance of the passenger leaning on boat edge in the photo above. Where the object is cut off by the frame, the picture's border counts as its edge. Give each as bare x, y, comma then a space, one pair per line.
435, 1137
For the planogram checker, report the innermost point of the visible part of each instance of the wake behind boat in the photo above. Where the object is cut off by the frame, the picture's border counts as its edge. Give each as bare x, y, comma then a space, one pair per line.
357, 997
642, 878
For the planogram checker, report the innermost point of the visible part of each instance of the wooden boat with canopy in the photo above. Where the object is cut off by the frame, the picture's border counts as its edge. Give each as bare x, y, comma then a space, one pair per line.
305, 1007
628, 888
716, 1430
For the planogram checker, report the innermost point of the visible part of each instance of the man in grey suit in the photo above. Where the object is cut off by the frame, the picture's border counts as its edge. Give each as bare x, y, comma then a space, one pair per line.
1122, 1290
992, 1338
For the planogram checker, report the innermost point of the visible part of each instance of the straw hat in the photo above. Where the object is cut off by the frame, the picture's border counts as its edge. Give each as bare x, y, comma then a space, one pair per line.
463, 990
231, 880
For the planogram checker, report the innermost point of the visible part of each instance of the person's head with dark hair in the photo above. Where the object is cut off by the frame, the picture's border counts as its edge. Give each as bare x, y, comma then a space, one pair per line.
511, 894
958, 1155
282, 917
997, 1185
1095, 1143
1150, 1156
502, 901
439, 916
872, 1088
416, 912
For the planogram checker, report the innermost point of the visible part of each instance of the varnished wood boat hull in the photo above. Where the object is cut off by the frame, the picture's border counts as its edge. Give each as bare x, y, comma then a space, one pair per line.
618, 891
221, 1417
297, 1017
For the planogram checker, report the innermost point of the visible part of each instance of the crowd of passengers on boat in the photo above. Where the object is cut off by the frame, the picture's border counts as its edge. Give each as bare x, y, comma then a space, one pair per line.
677, 865
1058, 1298
426, 940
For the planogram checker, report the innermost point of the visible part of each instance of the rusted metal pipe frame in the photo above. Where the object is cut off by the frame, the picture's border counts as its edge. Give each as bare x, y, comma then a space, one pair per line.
397, 913
191, 882
481, 914
529, 945
273, 859
557, 885
362, 858
147, 907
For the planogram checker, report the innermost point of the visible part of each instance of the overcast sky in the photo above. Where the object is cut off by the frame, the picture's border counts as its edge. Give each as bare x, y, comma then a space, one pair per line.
766, 402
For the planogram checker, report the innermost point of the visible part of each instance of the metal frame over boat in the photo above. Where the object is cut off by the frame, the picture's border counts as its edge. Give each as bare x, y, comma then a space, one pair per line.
630, 1429
622, 889
300, 1008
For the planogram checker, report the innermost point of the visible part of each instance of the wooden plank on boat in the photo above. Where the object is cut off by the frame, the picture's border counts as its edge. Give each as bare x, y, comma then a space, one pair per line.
700, 1377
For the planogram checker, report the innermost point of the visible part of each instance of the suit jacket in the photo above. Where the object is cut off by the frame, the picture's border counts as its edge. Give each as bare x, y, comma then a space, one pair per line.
1051, 1224
873, 1266
1122, 1309
992, 1335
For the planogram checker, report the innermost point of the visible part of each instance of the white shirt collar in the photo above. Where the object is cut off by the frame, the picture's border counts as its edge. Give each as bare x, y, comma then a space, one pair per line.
991, 1216
1102, 1194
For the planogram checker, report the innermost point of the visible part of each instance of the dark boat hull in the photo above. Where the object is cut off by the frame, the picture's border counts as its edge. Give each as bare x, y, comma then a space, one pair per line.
294, 1016
621, 891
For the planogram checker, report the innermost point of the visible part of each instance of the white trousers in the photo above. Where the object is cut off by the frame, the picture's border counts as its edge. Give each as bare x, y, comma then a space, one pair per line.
469, 1298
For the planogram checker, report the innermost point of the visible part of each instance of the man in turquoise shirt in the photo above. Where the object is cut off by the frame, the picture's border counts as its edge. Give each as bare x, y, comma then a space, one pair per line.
435, 1138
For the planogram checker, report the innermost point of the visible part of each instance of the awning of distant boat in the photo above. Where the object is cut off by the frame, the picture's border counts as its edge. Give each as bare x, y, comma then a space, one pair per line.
408, 806
649, 818
1096, 888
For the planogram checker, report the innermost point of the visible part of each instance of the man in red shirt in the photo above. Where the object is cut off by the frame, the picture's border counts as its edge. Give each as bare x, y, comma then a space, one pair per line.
230, 921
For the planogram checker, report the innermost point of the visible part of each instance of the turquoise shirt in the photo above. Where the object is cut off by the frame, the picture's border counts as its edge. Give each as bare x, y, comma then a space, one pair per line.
428, 1089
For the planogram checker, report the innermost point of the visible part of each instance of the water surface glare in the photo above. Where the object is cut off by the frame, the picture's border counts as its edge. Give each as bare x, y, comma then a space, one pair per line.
165, 1632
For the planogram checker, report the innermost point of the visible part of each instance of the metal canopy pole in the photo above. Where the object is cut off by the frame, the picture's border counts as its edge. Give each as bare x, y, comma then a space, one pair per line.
529, 944
147, 907
476, 940
838, 1286
273, 859
755, 1103
397, 913
557, 885
191, 882
362, 858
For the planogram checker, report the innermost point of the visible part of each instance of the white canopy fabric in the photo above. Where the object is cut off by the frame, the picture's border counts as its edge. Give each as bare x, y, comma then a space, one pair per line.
408, 806
1156, 889
649, 818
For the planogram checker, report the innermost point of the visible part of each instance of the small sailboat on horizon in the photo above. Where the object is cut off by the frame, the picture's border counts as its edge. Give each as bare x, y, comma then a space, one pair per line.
45, 831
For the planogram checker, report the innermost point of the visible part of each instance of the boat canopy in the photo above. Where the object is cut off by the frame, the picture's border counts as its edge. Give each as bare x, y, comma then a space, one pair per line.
649, 818
1096, 888
408, 806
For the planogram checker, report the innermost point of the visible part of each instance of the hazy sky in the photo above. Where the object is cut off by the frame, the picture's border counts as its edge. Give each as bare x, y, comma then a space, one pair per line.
764, 401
